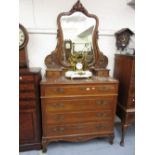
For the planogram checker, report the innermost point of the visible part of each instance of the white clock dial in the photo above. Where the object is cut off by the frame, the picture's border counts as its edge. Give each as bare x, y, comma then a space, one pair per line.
79, 66
21, 37
68, 46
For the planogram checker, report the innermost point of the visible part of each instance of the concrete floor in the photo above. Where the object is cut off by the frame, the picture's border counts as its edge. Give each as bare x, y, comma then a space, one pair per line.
93, 147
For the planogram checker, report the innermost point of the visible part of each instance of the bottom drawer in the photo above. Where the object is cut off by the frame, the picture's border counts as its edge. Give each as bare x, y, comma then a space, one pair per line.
82, 128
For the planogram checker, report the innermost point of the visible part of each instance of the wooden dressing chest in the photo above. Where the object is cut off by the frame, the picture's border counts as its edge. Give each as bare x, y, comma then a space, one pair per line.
78, 110
29, 109
78, 98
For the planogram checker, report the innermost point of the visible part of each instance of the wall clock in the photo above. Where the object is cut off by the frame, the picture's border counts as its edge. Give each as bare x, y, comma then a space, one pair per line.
23, 40
123, 38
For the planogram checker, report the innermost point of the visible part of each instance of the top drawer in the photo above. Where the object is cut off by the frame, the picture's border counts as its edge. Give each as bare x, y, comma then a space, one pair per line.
49, 90
26, 78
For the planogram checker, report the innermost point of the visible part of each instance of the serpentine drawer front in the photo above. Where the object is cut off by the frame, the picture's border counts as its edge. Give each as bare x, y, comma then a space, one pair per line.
72, 104
75, 117
79, 90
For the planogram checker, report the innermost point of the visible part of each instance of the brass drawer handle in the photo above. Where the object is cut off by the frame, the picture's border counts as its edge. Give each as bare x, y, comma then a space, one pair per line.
58, 117
79, 127
82, 88
102, 102
101, 115
99, 127
59, 129
81, 103
59, 90
105, 88
57, 105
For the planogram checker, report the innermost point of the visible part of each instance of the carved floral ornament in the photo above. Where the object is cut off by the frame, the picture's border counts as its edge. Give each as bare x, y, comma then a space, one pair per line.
78, 7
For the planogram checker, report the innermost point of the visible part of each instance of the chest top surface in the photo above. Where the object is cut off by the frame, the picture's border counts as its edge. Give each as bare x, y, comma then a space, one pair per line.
33, 70
63, 80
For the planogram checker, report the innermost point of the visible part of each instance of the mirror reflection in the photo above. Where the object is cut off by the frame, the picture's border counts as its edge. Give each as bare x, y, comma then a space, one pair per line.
77, 37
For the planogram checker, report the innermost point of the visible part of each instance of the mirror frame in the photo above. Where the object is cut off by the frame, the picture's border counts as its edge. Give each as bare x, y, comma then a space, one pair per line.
77, 7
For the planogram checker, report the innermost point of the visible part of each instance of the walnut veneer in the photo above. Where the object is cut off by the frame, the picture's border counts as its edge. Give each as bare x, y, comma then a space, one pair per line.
29, 109
78, 110
124, 71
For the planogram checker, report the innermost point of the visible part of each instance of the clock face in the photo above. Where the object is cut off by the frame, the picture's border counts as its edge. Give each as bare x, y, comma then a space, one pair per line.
21, 37
79, 66
123, 41
68, 46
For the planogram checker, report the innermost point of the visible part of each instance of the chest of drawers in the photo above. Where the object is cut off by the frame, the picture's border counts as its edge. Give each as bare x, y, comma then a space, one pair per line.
78, 110
124, 71
29, 109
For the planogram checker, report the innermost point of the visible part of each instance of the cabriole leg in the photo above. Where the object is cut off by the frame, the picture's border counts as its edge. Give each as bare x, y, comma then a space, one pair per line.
44, 145
111, 140
124, 127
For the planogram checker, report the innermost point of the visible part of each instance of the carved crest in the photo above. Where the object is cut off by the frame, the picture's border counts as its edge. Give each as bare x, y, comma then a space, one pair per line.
79, 7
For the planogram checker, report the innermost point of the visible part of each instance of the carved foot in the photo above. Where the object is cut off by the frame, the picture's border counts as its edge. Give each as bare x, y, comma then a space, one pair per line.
111, 140
44, 150
122, 142
44, 146
124, 127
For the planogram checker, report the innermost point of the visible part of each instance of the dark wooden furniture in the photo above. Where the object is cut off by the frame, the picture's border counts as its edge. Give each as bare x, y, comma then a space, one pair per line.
29, 98
29, 109
23, 41
77, 109
124, 71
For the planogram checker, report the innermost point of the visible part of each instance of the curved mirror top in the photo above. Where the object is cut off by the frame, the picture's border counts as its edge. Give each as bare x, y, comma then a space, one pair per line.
77, 30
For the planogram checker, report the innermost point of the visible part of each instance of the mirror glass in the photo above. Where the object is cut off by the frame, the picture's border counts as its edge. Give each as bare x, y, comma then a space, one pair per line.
77, 30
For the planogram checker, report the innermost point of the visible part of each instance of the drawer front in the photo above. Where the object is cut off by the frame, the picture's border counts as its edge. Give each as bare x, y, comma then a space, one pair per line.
82, 128
27, 104
79, 90
25, 78
52, 105
26, 86
77, 117
26, 95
